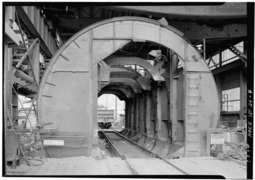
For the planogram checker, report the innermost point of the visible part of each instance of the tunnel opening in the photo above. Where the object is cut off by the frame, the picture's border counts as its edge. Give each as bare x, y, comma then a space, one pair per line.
110, 112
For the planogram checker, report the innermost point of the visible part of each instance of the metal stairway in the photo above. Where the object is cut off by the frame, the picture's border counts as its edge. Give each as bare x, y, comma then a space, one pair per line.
24, 112
237, 52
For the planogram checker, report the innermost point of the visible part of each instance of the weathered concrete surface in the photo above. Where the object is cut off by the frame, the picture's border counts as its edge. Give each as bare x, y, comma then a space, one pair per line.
153, 166
144, 166
75, 166
211, 166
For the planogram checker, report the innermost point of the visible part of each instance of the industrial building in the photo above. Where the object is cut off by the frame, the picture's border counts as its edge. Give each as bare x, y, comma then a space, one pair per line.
179, 68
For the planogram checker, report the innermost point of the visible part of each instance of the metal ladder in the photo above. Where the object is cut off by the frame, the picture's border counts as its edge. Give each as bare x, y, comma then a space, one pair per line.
24, 112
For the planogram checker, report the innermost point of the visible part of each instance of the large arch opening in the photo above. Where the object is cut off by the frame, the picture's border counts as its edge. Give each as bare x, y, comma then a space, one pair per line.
169, 102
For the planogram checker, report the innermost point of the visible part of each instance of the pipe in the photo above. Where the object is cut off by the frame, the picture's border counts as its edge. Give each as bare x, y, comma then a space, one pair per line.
24, 76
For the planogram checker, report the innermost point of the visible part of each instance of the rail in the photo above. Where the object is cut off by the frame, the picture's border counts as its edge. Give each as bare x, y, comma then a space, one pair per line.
147, 151
117, 153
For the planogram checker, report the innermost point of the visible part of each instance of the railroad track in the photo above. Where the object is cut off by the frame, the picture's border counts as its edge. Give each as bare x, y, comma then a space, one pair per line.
114, 150
125, 148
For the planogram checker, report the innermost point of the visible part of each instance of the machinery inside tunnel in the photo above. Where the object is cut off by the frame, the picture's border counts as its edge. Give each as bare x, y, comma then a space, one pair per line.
169, 91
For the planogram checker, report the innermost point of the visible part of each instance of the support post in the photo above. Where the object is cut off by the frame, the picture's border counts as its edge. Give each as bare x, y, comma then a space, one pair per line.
137, 128
243, 95
35, 62
173, 119
159, 114
127, 114
142, 109
148, 114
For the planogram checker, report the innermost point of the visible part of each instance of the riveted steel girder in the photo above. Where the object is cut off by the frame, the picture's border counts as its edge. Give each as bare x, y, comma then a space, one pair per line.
122, 72
114, 61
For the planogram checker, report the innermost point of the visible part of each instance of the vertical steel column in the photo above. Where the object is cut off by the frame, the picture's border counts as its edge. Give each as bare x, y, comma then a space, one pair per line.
126, 114
35, 57
132, 114
141, 122
8, 74
129, 113
8, 78
159, 113
243, 94
41, 31
37, 20
148, 114
137, 128
173, 64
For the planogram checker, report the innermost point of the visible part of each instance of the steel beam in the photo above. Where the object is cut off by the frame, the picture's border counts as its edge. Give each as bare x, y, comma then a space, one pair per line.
195, 31
117, 93
121, 72
11, 37
32, 30
132, 83
224, 11
76, 24
116, 61
121, 88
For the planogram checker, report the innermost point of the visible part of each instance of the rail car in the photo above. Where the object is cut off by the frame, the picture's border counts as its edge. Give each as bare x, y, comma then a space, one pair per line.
105, 118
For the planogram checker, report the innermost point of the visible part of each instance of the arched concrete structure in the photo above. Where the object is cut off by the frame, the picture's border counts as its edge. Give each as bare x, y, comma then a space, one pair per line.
68, 91
116, 92
122, 72
125, 89
131, 82
113, 61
